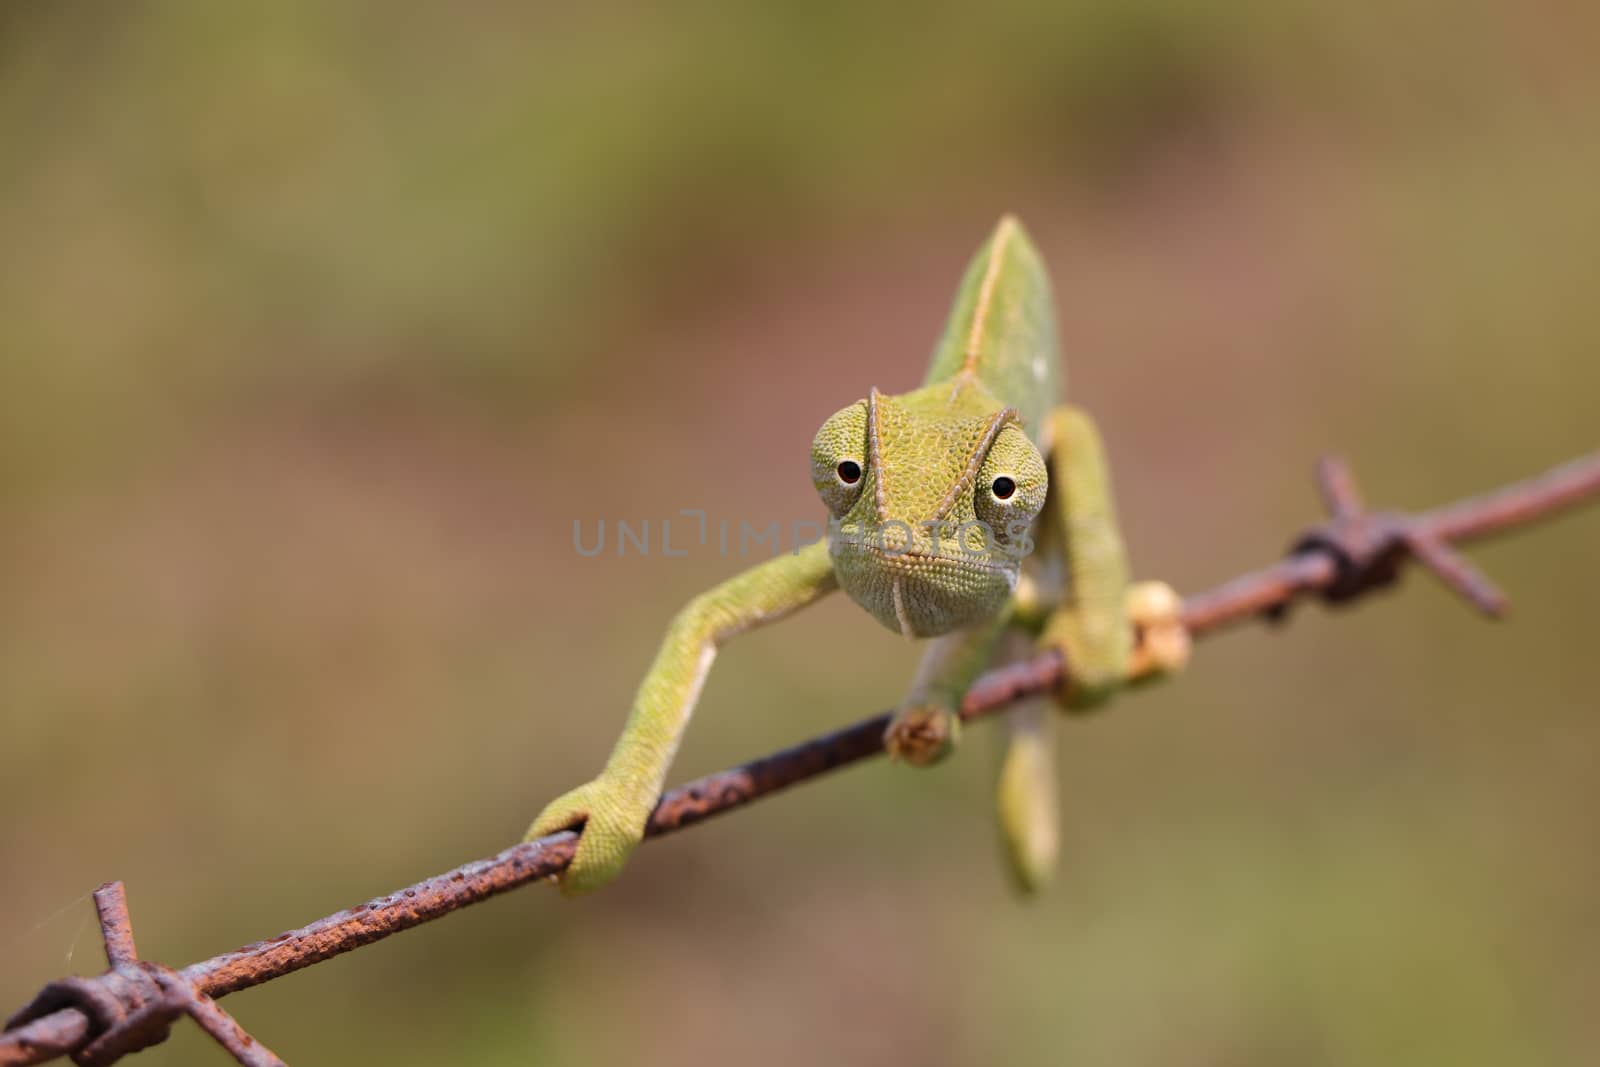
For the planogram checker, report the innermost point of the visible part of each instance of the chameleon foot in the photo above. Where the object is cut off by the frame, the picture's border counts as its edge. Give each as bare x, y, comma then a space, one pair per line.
1163, 641
922, 736
611, 824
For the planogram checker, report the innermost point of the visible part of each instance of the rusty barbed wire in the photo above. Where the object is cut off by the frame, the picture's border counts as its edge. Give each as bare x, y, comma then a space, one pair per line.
128, 1008
96, 1020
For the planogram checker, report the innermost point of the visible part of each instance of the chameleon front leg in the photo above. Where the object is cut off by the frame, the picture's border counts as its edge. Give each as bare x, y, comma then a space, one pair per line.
613, 808
928, 724
1109, 631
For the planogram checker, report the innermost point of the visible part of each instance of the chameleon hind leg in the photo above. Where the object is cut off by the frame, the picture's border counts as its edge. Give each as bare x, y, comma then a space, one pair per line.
1109, 631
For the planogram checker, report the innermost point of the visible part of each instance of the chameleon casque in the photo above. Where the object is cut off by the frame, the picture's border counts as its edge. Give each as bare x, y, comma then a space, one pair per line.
973, 511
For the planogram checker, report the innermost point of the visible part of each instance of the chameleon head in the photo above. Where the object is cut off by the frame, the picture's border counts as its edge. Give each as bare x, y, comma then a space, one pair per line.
931, 502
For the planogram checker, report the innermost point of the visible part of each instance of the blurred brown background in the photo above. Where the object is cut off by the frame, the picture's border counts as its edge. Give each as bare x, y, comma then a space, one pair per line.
321, 323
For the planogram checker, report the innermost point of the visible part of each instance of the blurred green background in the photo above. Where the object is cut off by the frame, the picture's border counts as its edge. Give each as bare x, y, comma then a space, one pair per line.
319, 324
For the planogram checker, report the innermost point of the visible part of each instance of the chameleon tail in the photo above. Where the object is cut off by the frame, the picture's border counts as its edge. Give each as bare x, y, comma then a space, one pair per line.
1030, 831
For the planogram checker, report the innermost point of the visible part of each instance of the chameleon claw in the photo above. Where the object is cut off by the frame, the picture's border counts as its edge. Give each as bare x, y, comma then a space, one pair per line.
1163, 645
922, 736
610, 826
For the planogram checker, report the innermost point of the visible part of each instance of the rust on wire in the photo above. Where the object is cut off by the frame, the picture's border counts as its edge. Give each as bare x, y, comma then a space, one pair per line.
1337, 484
727, 790
379, 918
116, 927
1368, 548
130, 1006
1004, 685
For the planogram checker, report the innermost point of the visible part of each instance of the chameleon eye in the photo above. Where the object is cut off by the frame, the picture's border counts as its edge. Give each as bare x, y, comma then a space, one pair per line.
1011, 488
839, 459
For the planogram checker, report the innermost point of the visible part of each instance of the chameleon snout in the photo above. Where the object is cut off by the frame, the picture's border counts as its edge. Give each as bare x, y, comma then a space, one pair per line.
917, 593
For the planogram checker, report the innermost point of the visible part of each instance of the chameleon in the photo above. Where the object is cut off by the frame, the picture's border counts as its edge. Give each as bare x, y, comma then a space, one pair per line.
974, 511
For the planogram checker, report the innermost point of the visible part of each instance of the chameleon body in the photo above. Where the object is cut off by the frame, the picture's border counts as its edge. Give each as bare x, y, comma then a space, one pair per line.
973, 511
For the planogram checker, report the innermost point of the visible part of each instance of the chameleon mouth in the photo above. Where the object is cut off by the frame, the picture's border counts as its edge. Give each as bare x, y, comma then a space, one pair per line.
916, 560
923, 594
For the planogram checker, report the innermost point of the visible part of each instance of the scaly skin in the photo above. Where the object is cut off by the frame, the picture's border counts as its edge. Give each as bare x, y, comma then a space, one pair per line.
938, 496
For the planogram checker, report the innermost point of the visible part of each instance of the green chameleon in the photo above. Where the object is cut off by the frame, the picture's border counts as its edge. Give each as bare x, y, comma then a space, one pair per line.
973, 511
